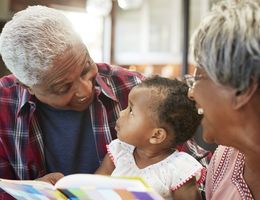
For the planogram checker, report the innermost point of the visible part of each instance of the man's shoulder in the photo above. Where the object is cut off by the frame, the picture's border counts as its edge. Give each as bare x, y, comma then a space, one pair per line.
7, 81
9, 89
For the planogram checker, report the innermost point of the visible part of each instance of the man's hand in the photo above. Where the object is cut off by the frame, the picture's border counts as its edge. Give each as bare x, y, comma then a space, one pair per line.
51, 178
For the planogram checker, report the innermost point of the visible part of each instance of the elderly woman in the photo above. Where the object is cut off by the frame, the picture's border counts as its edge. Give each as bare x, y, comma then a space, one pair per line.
225, 86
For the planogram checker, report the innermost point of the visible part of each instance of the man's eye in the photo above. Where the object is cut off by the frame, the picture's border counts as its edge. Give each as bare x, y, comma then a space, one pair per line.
64, 89
87, 68
84, 72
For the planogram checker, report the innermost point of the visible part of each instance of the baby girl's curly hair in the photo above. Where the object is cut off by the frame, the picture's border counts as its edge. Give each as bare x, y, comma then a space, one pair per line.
171, 107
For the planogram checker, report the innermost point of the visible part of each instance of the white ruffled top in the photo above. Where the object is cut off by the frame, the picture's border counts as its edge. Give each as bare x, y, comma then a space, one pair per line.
165, 176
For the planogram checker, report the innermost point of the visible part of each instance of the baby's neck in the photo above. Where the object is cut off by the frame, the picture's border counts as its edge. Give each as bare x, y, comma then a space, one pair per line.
144, 159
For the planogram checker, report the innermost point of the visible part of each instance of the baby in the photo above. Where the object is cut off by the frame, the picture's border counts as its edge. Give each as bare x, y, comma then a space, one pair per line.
159, 116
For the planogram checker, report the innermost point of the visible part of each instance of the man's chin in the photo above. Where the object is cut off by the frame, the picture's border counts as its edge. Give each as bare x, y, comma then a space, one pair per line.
79, 108
76, 107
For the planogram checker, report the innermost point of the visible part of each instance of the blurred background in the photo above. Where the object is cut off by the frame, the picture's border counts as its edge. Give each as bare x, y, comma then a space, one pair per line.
150, 36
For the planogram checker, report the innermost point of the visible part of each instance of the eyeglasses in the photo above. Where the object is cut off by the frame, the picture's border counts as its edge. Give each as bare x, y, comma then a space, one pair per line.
190, 79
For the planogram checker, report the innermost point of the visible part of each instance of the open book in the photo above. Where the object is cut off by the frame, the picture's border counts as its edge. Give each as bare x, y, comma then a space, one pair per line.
82, 186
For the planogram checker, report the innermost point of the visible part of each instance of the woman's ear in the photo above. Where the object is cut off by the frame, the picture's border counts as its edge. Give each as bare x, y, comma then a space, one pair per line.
158, 136
240, 98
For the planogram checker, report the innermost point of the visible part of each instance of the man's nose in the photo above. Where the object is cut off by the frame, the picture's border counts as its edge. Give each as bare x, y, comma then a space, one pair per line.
84, 88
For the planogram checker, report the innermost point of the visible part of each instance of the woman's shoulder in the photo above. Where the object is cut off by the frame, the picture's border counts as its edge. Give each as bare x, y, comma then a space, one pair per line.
225, 175
224, 155
224, 161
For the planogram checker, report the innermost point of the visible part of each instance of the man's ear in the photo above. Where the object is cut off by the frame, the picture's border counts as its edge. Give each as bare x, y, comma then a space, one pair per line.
25, 86
240, 98
158, 136
30, 90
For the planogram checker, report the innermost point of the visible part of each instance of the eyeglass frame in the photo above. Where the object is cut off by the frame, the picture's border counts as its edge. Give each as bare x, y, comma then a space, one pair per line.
190, 80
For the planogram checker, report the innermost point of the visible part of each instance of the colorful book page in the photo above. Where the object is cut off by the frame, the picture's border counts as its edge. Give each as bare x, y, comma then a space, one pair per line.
29, 192
106, 194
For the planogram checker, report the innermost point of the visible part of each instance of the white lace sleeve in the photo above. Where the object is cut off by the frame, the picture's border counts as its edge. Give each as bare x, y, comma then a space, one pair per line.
117, 148
185, 168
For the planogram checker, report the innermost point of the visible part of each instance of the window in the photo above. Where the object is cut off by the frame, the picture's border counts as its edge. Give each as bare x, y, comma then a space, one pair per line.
90, 29
150, 34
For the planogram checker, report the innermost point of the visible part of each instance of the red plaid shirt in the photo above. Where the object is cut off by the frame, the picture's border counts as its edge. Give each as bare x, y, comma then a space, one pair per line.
21, 144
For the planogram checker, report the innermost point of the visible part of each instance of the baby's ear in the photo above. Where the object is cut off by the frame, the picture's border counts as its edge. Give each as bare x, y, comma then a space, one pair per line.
158, 136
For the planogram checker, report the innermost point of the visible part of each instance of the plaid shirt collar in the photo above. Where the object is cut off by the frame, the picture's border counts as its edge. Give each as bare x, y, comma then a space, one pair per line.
102, 86
25, 99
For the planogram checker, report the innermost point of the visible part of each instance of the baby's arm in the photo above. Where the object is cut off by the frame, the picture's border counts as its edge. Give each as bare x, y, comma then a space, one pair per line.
106, 167
188, 191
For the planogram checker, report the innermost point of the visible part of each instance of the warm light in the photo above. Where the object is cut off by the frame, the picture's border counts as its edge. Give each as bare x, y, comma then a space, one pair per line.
99, 7
90, 28
130, 4
132, 68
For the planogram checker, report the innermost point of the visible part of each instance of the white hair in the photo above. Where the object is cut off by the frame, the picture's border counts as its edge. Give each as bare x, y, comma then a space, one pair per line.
33, 39
227, 43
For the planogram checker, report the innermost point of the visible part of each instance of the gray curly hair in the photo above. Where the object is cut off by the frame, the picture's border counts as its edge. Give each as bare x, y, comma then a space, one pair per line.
32, 39
227, 43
